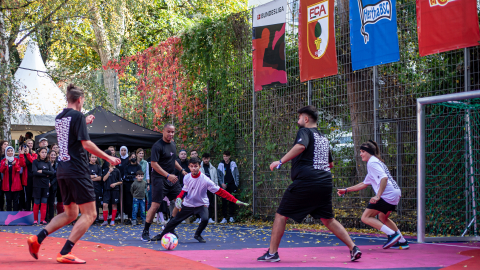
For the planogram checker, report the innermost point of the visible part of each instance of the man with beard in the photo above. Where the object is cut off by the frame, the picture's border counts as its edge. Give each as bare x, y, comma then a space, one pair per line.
311, 190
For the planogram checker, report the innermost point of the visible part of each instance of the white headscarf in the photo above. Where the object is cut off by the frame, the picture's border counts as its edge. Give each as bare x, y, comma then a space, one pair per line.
126, 155
10, 159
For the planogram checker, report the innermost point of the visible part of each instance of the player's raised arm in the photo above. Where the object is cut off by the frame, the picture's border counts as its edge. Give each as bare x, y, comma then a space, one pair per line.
93, 149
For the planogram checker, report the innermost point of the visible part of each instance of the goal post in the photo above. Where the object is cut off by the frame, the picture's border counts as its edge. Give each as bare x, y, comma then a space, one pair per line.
448, 167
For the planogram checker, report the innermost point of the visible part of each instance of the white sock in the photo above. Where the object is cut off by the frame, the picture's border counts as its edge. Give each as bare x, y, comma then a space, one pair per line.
387, 230
402, 240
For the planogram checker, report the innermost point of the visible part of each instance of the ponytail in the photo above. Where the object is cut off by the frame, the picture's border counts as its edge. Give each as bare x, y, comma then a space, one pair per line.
372, 148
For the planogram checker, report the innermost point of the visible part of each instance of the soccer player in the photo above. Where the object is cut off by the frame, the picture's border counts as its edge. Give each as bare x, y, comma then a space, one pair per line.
73, 176
164, 182
386, 199
311, 190
195, 186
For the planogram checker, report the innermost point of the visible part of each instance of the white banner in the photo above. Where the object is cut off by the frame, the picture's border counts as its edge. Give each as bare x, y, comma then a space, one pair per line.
274, 12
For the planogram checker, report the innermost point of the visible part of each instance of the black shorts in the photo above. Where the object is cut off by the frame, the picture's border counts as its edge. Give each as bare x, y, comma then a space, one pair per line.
76, 190
39, 193
382, 206
171, 191
111, 196
161, 189
306, 197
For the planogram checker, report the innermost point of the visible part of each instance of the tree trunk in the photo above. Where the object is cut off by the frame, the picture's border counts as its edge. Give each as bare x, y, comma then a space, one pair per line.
5, 82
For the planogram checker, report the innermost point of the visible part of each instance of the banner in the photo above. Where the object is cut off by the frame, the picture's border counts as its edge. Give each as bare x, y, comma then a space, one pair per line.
317, 52
445, 25
373, 33
269, 44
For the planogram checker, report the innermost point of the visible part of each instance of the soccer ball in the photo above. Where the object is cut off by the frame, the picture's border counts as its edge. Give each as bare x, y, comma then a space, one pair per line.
169, 241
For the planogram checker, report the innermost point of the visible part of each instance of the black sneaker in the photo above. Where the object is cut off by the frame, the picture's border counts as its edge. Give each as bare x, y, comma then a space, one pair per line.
199, 238
269, 258
128, 222
157, 237
392, 240
145, 236
355, 254
399, 245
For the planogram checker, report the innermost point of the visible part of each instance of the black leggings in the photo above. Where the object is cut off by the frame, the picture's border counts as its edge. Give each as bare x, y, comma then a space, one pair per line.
29, 193
184, 214
12, 196
51, 202
127, 199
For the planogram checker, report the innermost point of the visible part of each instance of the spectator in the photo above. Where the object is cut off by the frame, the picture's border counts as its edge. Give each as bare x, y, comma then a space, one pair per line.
209, 170
27, 176
11, 184
29, 135
42, 171
4, 145
124, 159
130, 173
96, 176
228, 177
193, 154
112, 150
43, 142
146, 172
138, 193
52, 158
112, 179
55, 148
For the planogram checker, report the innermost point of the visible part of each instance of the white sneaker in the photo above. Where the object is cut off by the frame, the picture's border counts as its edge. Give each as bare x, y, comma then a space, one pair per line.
211, 221
198, 220
112, 223
184, 222
105, 223
224, 220
231, 220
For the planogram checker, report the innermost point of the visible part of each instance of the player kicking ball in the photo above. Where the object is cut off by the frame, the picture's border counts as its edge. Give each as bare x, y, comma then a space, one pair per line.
386, 199
193, 200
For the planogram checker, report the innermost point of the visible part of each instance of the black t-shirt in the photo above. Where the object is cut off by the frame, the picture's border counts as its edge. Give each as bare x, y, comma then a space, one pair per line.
113, 178
10, 169
228, 173
71, 130
123, 163
95, 169
206, 168
312, 163
164, 154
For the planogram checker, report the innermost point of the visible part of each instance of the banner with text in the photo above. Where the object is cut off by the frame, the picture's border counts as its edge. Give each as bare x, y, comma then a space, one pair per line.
269, 44
445, 25
317, 52
373, 33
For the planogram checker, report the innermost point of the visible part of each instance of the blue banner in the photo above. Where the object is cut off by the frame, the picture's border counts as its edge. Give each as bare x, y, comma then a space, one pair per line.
373, 33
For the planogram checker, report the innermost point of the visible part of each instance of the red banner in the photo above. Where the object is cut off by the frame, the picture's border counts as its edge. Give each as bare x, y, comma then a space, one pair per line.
445, 25
318, 56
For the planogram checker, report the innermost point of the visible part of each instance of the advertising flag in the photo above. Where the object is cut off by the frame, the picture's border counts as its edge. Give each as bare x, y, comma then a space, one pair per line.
269, 44
373, 33
445, 25
317, 52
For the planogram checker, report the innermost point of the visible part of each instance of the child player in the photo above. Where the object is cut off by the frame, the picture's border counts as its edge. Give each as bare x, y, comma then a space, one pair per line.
194, 192
112, 179
138, 193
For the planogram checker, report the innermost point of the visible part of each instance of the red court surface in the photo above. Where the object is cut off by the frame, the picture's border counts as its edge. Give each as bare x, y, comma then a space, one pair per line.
14, 255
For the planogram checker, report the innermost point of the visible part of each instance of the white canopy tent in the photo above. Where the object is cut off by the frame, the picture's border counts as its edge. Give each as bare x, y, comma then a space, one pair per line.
42, 96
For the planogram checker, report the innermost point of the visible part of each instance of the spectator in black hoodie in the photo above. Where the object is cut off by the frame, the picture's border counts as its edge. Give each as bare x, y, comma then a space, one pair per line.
130, 173
42, 172
96, 176
52, 158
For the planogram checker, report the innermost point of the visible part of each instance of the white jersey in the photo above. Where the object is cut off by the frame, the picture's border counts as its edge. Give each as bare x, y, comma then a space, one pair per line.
196, 188
376, 171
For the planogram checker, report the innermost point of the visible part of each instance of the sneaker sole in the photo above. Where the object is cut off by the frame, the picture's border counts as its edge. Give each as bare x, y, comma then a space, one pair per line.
405, 247
394, 241
270, 260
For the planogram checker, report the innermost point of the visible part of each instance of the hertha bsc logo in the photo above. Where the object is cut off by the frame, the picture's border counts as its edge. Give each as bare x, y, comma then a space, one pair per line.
317, 37
371, 14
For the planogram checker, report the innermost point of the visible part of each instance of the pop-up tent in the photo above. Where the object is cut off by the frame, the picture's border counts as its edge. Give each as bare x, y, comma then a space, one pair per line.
110, 129
42, 97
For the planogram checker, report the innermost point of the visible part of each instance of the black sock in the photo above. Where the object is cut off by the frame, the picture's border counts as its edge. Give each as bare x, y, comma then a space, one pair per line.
42, 235
147, 227
67, 248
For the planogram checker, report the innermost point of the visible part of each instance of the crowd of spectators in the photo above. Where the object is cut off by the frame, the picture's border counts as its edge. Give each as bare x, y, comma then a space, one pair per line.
29, 183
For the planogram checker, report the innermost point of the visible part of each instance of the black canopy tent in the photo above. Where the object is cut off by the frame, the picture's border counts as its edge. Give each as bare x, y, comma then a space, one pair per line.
110, 129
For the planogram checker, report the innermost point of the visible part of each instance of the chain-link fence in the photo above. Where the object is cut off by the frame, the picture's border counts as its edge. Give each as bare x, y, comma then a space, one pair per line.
376, 103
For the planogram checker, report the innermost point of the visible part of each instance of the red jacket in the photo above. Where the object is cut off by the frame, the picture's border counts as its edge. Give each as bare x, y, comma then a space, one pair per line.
23, 164
16, 183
